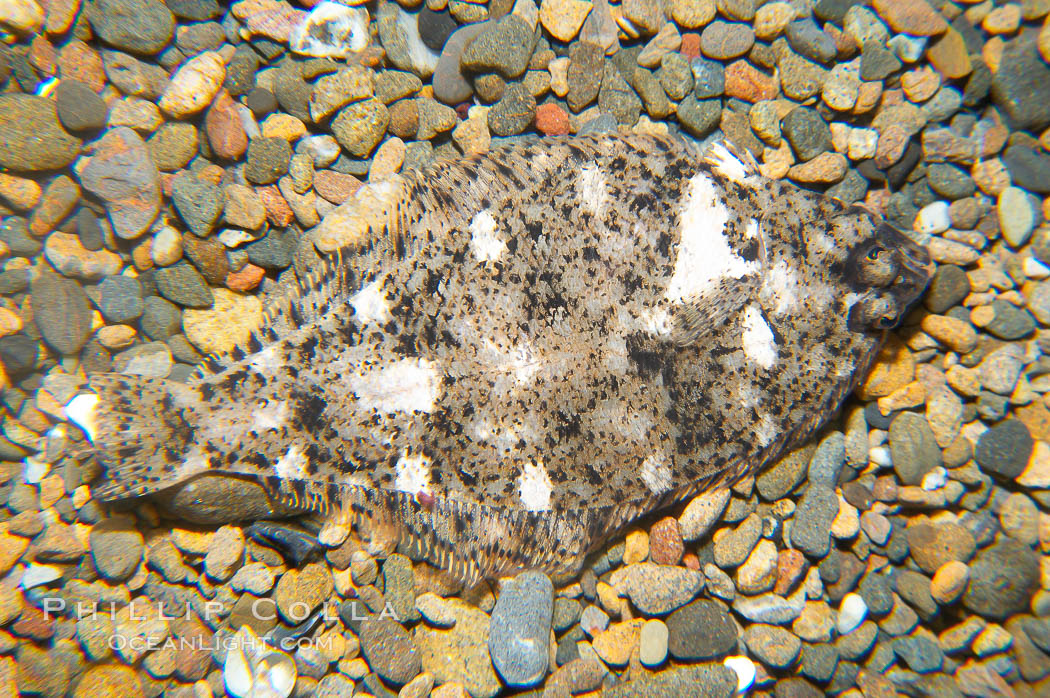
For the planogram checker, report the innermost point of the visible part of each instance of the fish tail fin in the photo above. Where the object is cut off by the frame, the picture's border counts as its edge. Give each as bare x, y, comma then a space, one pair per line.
141, 429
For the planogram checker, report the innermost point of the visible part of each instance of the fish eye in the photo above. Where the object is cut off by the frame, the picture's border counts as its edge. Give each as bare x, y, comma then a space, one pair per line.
878, 267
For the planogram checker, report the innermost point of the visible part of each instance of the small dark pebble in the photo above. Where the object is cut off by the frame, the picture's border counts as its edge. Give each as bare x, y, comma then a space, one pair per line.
268, 159
120, 299
79, 108
700, 630
920, 653
1004, 449
160, 318
948, 288
261, 101
808, 134
435, 27
1029, 168
183, 285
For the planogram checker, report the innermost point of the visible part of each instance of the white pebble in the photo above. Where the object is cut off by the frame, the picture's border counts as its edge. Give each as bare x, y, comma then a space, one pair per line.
1034, 269
861, 143
1016, 217
34, 469
852, 612
37, 574
276, 672
744, 669
237, 669
248, 122
908, 48
232, 238
935, 479
330, 30
933, 218
880, 456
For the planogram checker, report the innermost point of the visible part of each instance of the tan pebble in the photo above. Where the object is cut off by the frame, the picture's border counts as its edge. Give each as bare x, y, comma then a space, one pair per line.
20, 192
563, 18
559, 70
692, 14
10, 322
846, 523
771, 19
956, 334
992, 53
116, 336
949, 55
867, 97
1003, 20
991, 176
283, 126
949, 581
388, 159
982, 316
1043, 43
194, 85
450, 690
826, 167
920, 84
636, 547
616, 643
907, 396
609, 599
894, 368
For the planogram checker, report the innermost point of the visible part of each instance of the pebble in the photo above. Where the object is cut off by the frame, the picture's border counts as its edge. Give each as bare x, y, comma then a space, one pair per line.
520, 629
775, 647
459, 654
389, 650
116, 549
61, 312
1004, 449
807, 39
124, 177
143, 27
69, 257
225, 325
331, 29
653, 642
78, 107
563, 18
657, 589
949, 581
268, 159
1016, 217
33, 138
810, 532
852, 612
725, 40
198, 202
194, 85
183, 285
932, 545
360, 126
515, 112
700, 631
808, 134
225, 553
913, 448
121, 299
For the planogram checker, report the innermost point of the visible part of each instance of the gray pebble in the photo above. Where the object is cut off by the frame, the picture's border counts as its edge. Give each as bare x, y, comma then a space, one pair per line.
808, 134
120, 299
61, 312
700, 631
520, 629
811, 531
183, 285
913, 448
1004, 450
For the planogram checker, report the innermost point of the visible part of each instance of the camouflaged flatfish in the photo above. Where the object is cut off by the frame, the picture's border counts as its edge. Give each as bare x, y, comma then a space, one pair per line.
541, 345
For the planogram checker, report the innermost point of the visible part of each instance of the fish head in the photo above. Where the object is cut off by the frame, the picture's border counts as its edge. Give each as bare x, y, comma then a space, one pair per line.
888, 270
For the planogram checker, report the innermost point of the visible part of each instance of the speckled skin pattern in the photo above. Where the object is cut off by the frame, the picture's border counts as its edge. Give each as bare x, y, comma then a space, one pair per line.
545, 343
